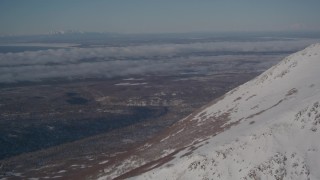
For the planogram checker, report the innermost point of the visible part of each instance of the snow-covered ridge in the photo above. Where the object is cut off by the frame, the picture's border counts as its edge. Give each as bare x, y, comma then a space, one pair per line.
277, 135
267, 128
288, 63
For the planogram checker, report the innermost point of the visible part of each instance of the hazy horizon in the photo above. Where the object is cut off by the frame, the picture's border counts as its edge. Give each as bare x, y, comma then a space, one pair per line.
150, 16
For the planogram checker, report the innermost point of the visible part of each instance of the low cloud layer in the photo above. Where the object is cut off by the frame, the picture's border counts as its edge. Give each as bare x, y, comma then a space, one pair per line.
133, 60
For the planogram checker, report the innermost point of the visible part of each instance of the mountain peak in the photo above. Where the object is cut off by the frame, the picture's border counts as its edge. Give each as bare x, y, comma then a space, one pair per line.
267, 128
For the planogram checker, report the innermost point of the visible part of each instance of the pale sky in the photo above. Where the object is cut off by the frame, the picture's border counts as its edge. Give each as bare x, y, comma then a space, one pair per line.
158, 16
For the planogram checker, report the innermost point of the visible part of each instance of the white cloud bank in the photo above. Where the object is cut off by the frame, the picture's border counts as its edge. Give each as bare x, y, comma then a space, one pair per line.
131, 60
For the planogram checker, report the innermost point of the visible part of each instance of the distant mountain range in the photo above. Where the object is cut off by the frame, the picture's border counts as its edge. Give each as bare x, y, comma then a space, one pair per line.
65, 32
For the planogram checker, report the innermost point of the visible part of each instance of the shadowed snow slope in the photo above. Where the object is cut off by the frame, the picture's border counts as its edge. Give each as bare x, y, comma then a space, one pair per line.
268, 128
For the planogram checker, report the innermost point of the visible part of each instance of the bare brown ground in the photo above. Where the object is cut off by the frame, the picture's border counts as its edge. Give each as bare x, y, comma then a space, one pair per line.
192, 135
190, 138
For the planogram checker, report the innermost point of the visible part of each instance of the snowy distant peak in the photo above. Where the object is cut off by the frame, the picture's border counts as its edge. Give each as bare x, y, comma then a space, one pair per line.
64, 32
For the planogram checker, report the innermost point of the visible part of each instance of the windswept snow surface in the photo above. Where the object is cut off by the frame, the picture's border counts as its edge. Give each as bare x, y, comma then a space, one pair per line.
276, 133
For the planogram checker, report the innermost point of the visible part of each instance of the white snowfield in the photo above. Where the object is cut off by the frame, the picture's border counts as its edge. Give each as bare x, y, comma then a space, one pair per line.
277, 131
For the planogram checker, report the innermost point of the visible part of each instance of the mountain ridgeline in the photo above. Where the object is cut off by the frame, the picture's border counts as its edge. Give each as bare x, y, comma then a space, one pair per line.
267, 128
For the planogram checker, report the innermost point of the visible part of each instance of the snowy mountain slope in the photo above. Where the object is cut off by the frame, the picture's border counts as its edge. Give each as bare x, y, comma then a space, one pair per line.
267, 128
